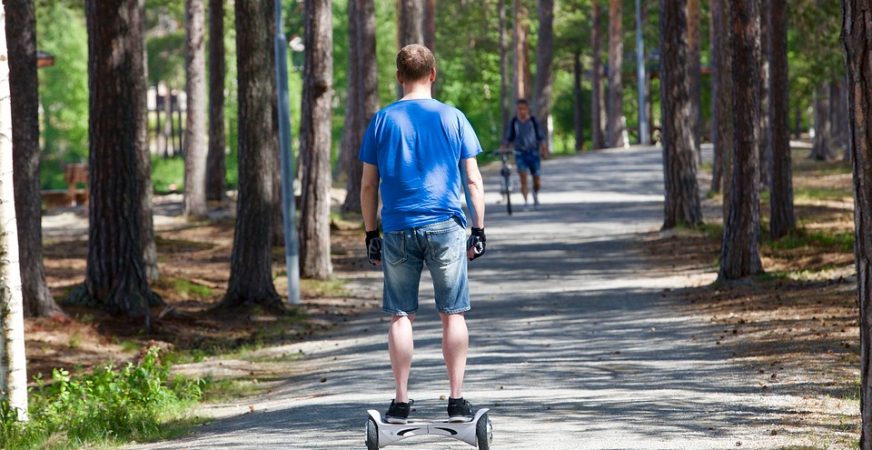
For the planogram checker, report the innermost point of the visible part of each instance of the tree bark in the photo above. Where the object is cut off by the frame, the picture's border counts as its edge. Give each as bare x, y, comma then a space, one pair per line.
410, 29
216, 166
596, 131
352, 131
614, 110
505, 65
251, 280
429, 25
544, 59
782, 217
857, 41
694, 73
521, 62
839, 116
196, 145
315, 140
821, 148
578, 109
119, 213
725, 101
717, 152
740, 254
21, 29
146, 190
765, 127
13, 364
682, 205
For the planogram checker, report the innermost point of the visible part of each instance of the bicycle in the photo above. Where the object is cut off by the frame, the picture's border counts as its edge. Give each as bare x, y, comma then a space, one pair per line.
506, 173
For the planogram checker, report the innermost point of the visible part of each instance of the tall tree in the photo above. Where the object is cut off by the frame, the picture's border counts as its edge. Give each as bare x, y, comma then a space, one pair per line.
694, 73
782, 218
521, 76
724, 100
614, 109
596, 130
251, 280
315, 140
410, 29
577, 110
765, 128
544, 59
120, 210
682, 206
21, 29
215, 161
740, 252
13, 364
196, 145
821, 148
714, 49
857, 42
429, 25
505, 65
352, 131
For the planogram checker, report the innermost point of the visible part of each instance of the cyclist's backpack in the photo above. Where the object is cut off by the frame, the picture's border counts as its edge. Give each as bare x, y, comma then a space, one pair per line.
515, 128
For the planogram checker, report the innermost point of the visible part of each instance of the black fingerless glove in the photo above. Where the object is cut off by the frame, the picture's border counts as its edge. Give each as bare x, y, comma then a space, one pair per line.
476, 242
373, 247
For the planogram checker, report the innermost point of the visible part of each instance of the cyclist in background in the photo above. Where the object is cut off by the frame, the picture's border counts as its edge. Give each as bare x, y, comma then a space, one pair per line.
528, 137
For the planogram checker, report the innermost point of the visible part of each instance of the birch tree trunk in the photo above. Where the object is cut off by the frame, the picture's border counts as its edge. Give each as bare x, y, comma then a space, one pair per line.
13, 370
740, 251
23, 81
682, 205
196, 145
216, 166
614, 110
315, 141
857, 41
544, 59
782, 217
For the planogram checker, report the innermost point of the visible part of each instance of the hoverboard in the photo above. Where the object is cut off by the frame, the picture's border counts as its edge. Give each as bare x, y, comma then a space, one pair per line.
478, 432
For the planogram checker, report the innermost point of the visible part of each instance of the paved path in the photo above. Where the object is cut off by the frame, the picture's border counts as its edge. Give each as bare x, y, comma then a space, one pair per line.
572, 344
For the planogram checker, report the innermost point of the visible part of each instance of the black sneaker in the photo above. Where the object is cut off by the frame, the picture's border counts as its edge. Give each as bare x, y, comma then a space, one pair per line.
398, 412
459, 410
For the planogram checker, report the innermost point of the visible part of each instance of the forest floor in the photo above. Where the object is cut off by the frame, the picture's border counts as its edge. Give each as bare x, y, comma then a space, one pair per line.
795, 327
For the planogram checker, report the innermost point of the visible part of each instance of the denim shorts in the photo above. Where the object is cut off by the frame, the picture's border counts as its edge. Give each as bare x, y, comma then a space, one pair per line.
528, 162
443, 247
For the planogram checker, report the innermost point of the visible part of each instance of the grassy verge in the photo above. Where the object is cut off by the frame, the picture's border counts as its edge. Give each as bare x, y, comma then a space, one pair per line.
110, 406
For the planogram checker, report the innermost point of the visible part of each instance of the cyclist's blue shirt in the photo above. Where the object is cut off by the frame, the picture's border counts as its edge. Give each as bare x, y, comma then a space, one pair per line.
417, 146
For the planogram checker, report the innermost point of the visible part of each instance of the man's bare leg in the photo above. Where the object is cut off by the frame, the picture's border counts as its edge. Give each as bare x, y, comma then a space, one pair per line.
455, 345
537, 184
524, 189
400, 346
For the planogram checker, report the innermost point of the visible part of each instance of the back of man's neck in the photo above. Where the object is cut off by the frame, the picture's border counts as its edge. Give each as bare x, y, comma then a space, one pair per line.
419, 92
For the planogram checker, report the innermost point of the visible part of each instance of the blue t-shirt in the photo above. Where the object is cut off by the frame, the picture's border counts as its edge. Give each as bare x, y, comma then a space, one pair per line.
417, 146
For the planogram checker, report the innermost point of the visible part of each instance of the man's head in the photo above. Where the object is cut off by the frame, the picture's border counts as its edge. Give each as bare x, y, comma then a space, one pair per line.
523, 109
416, 64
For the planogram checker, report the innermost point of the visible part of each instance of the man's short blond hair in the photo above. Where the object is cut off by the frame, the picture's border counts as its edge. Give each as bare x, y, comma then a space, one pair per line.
415, 62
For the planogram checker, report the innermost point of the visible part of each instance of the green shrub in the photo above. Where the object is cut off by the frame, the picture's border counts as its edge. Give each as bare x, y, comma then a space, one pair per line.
110, 405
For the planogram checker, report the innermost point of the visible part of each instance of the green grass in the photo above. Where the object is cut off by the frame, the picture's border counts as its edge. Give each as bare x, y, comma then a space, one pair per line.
108, 407
839, 241
825, 194
167, 172
332, 287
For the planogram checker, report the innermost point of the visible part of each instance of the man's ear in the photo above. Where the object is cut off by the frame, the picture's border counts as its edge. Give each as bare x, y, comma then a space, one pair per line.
433, 75
399, 78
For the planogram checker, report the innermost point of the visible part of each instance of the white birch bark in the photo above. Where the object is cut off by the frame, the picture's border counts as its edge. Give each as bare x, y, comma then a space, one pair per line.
13, 373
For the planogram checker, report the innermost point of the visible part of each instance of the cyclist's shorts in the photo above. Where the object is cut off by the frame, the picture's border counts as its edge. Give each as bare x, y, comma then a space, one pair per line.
528, 162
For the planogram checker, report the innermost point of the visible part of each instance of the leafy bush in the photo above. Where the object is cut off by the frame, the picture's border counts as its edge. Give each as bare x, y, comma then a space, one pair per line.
107, 406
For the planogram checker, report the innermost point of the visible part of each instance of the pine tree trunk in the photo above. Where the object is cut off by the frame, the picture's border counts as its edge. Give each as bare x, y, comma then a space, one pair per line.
505, 65
717, 150
839, 116
315, 141
740, 254
614, 110
21, 29
544, 58
596, 113
694, 72
352, 131
725, 101
410, 29
251, 280
782, 218
682, 206
521, 65
196, 145
368, 65
430, 25
216, 167
857, 41
578, 109
13, 364
765, 127
146, 190
822, 127
116, 275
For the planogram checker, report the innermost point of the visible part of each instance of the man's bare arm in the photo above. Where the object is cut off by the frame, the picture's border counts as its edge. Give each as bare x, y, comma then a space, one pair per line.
475, 187
369, 196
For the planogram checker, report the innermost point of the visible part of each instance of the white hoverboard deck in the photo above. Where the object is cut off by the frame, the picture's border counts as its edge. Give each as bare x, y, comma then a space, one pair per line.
391, 433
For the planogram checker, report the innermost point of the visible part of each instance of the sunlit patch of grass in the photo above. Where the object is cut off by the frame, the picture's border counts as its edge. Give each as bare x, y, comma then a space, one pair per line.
841, 241
331, 287
801, 194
